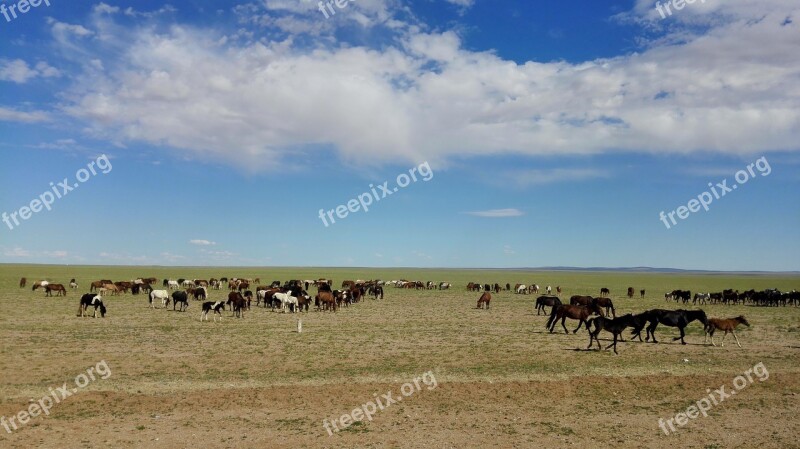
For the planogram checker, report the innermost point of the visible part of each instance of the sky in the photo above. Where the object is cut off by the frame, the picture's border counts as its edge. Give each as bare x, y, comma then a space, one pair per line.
483, 133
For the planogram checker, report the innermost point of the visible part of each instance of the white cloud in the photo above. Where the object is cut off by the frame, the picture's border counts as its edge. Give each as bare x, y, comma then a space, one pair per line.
525, 178
18, 71
202, 242
13, 115
16, 252
497, 213
256, 103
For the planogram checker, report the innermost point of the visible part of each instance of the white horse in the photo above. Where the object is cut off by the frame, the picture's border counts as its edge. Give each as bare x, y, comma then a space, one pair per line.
173, 285
286, 300
163, 295
522, 288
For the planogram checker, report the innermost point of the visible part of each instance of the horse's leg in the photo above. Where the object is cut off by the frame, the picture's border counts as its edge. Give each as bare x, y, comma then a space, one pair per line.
563, 319
723, 338
580, 323
735, 337
683, 334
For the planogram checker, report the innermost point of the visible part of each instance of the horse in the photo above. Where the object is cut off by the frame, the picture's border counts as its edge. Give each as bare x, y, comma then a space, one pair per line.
163, 295
630, 292
376, 291
90, 299
211, 306
641, 292
614, 325
58, 288
325, 300
542, 301
485, 299
287, 301
549, 289
38, 284
675, 318
180, 297
23, 282
639, 322
608, 304
248, 296
724, 325
237, 303
578, 300
605, 292
199, 294
72, 284
558, 290
580, 313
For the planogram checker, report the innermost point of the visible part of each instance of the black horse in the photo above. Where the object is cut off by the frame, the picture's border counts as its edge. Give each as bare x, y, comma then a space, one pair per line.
675, 318
546, 300
614, 325
91, 299
180, 297
376, 291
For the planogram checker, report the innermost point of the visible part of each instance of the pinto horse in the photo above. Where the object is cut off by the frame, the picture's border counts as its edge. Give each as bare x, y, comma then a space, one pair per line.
485, 299
675, 318
214, 307
616, 326
580, 313
90, 299
724, 325
546, 300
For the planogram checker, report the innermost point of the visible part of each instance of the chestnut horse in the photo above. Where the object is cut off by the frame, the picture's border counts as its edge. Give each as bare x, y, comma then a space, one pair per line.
580, 313
58, 288
724, 325
22, 282
485, 298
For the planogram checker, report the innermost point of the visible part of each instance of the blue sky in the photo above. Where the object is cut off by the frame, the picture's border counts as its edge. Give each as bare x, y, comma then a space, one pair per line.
556, 133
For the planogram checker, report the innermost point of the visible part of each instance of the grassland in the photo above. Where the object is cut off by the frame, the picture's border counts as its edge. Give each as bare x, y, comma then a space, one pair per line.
502, 379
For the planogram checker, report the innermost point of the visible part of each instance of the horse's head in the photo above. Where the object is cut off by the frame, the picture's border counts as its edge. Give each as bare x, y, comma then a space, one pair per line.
102, 311
742, 320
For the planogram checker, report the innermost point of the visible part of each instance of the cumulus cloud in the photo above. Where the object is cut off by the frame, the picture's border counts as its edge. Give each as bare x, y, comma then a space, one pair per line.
257, 102
497, 213
18, 71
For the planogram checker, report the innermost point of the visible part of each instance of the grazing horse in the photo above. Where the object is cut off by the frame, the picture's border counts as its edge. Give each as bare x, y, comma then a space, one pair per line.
163, 295
675, 318
215, 307
237, 303
287, 301
325, 300
485, 299
580, 313
630, 292
72, 284
605, 292
542, 301
38, 284
200, 294
616, 326
641, 292
58, 288
90, 299
724, 325
23, 282
180, 297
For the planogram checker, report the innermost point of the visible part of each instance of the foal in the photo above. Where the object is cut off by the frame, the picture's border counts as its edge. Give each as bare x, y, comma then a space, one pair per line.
724, 325
616, 326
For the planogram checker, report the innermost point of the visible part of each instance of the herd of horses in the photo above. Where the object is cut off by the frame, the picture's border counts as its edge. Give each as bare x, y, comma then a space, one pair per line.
595, 313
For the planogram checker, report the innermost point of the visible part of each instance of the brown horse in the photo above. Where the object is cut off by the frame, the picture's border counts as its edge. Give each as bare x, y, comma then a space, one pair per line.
58, 288
22, 282
578, 300
724, 325
580, 313
630, 292
608, 304
605, 292
325, 300
485, 299
641, 292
